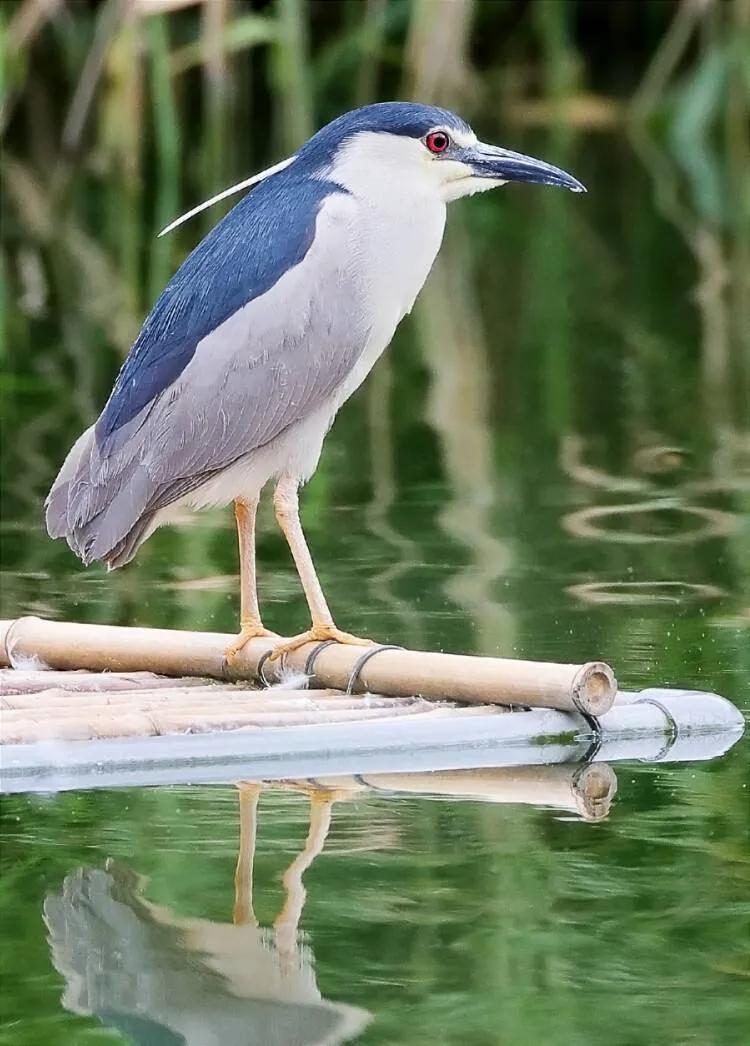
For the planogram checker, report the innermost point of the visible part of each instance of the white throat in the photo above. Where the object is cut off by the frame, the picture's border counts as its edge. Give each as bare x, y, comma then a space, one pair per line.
398, 217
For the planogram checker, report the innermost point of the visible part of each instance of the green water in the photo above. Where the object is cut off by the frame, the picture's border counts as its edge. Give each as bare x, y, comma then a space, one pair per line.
552, 461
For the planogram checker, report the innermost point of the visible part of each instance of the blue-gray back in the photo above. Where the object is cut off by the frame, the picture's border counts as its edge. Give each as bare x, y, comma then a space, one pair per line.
268, 232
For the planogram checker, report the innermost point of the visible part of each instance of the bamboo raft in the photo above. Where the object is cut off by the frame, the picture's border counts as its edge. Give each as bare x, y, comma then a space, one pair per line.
91, 705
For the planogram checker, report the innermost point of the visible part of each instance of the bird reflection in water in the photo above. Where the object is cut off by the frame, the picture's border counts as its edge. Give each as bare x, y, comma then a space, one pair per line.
164, 980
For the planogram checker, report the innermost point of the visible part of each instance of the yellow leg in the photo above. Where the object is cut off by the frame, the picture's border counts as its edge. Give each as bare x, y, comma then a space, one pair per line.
250, 622
243, 913
287, 922
286, 505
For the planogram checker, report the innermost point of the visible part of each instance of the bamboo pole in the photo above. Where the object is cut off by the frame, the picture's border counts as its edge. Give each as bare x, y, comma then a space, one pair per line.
211, 698
400, 673
86, 724
30, 681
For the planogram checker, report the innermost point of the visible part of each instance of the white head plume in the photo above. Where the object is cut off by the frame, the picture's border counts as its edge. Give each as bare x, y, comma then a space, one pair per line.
228, 192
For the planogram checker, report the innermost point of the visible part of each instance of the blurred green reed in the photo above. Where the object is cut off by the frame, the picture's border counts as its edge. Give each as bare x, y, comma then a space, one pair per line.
123, 112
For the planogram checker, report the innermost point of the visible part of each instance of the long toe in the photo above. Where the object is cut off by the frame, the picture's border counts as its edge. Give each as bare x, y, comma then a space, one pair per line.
318, 634
251, 630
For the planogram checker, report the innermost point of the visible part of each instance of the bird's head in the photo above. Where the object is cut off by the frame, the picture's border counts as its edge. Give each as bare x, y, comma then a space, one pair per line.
392, 145
422, 143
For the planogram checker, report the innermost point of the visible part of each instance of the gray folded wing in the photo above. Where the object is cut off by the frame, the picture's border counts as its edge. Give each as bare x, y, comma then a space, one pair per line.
273, 362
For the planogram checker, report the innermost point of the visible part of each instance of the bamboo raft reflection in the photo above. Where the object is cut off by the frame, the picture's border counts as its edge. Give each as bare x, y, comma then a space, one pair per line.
134, 963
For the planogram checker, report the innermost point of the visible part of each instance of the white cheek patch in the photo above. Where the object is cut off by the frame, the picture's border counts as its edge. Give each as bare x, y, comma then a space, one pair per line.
454, 170
469, 187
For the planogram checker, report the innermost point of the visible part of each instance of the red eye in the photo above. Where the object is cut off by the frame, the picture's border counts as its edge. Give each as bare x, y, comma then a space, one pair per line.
437, 141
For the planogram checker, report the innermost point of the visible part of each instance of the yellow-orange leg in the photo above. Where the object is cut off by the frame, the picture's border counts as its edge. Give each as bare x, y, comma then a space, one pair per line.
287, 921
243, 913
250, 623
286, 506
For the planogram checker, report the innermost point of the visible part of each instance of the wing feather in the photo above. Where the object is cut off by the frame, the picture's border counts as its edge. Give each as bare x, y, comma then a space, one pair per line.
272, 363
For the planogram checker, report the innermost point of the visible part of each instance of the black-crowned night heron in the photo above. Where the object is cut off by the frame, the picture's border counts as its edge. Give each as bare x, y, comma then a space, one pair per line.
269, 325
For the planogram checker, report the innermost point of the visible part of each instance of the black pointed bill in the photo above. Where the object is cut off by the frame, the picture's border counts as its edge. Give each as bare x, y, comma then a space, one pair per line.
489, 161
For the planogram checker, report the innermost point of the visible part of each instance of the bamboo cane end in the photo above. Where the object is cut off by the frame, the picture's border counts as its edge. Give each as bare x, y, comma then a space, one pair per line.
594, 688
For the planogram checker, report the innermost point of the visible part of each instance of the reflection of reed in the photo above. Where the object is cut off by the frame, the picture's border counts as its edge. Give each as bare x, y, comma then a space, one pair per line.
585, 522
458, 409
720, 249
448, 329
659, 464
659, 459
710, 144
730, 467
571, 458
404, 552
644, 593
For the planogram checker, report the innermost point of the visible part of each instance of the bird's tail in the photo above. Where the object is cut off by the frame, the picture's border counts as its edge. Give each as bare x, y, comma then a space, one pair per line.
102, 513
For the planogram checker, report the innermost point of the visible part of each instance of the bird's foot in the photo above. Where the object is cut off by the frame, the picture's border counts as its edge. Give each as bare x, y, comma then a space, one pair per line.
318, 634
252, 628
